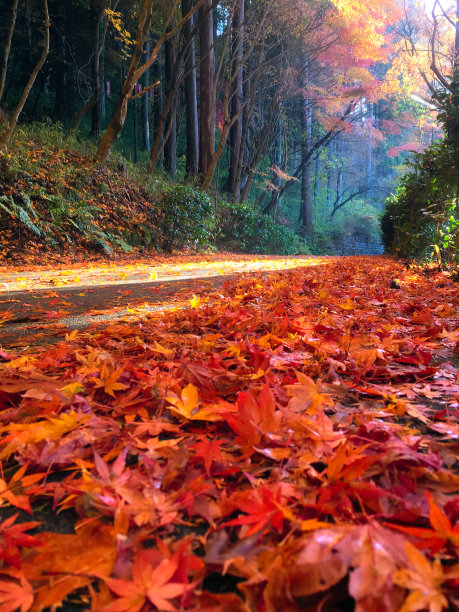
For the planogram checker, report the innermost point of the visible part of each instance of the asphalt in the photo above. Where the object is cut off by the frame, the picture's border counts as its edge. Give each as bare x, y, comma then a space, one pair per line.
42, 316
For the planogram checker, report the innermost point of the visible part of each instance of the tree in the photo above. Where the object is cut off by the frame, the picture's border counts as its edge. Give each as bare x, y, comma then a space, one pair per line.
235, 137
7, 49
191, 96
97, 12
206, 90
135, 71
26, 91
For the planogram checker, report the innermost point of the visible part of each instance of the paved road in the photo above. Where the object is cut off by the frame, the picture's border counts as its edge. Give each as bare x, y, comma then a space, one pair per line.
41, 306
42, 316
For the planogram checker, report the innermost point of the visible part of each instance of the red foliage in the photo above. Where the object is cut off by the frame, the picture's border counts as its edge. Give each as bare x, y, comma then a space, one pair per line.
290, 440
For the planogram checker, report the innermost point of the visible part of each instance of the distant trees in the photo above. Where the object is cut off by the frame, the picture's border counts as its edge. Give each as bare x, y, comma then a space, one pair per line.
262, 100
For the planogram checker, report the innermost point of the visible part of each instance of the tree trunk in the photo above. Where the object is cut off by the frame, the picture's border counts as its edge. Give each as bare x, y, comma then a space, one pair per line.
170, 147
119, 114
331, 154
146, 106
260, 150
6, 52
306, 192
316, 178
206, 88
235, 137
191, 99
25, 94
96, 118
60, 71
135, 129
369, 169
97, 77
158, 123
102, 101
306, 143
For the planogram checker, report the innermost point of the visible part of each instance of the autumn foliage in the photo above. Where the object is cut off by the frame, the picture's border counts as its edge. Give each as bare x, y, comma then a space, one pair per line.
285, 443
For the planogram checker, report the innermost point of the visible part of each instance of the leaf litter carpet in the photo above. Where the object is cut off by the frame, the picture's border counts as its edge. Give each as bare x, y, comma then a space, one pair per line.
287, 442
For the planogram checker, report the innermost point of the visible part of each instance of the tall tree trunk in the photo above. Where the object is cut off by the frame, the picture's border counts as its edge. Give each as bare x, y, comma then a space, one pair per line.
316, 178
306, 191
96, 118
276, 160
96, 76
7, 49
369, 168
191, 98
102, 100
119, 114
206, 88
146, 105
235, 137
170, 147
306, 143
331, 169
60, 70
135, 121
264, 140
156, 115
25, 94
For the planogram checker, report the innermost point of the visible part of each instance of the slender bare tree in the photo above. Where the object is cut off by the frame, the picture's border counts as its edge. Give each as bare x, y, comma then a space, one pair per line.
26, 91
6, 52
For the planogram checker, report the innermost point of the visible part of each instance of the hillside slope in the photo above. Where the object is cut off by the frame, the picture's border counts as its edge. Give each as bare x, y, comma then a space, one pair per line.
56, 201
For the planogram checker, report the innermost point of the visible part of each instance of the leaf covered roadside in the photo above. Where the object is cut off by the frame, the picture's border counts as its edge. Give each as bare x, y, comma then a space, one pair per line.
55, 200
288, 444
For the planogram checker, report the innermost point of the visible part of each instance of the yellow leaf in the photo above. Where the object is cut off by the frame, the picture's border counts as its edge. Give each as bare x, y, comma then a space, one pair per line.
187, 403
161, 349
347, 305
72, 388
195, 301
313, 524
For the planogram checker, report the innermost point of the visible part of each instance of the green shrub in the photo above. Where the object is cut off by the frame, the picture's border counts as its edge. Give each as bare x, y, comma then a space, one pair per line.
187, 217
243, 228
421, 217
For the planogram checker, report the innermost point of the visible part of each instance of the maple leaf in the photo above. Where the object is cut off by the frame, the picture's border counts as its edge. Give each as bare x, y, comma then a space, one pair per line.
108, 380
14, 596
306, 396
52, 428
148, 584
442, 530
195, 301
12, 538
424, 580
343, 467
262, 507
13, 492
209, 451
187, 404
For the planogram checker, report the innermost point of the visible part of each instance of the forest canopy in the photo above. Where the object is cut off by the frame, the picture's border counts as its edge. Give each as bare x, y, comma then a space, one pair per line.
303, 111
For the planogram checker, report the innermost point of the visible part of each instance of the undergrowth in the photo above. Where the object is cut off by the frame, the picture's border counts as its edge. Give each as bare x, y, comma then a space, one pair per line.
54, 198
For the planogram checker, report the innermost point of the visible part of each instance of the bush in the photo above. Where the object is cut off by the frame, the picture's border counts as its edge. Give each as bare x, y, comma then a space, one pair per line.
187, 217
57, 197
243, 228
420, 219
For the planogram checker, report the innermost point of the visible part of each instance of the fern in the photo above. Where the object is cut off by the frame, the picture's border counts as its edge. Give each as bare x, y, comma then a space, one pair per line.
20, 213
